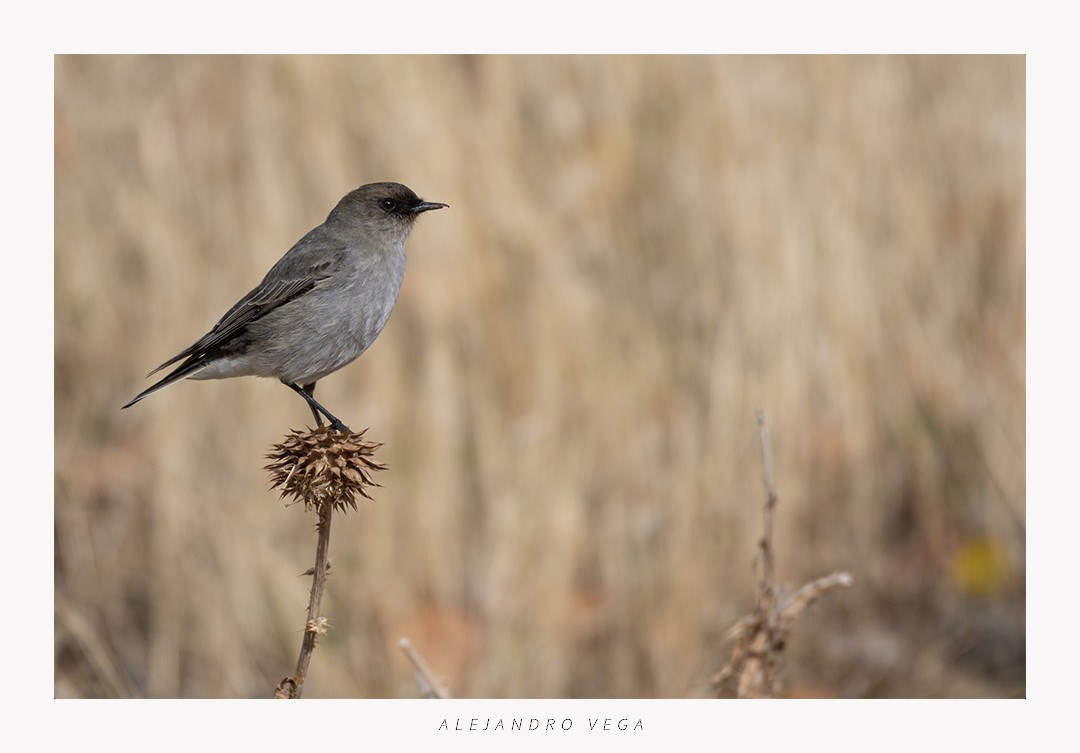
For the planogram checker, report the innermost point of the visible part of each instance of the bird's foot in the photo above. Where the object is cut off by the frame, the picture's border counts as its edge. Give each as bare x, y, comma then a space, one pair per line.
336, 425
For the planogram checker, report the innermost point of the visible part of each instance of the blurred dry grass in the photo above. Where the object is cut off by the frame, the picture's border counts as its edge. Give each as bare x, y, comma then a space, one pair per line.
639, 252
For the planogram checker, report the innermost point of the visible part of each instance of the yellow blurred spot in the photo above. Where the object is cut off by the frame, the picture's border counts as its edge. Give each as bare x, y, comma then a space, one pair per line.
980, 567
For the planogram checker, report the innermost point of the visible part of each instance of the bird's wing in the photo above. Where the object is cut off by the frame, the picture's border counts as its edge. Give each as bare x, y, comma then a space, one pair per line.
265, 297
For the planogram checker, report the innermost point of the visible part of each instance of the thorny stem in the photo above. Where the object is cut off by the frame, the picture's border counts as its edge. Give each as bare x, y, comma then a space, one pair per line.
293, 687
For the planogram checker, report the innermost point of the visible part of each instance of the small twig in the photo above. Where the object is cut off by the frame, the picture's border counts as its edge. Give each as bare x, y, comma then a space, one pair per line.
767, 562
425, 678
760, 637
811, 592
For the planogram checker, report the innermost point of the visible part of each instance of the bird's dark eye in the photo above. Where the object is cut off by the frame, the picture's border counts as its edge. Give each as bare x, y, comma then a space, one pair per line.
388, 204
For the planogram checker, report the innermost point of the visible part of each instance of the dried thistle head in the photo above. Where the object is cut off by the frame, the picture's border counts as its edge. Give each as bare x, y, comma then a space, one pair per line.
323, 467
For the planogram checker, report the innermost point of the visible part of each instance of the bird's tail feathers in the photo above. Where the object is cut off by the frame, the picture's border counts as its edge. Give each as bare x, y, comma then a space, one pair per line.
185, 370
178, 357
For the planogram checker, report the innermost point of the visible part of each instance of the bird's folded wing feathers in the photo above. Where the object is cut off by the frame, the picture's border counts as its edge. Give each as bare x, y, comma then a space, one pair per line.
264, 298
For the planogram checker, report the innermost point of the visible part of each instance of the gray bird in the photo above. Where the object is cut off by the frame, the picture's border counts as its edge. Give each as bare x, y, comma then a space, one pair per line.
320, 306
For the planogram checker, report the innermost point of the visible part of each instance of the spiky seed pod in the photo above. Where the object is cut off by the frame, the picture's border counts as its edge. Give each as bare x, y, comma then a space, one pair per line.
323, 467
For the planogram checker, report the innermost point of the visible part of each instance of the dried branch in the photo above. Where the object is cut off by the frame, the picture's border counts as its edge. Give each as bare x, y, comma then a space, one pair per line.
760, 637
765, 544
425, 678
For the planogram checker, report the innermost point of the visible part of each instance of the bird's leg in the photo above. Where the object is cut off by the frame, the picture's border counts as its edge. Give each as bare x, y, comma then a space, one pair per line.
310, 390
335, 422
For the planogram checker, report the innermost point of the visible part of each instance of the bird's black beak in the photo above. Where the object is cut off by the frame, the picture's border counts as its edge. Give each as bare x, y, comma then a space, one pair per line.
424, 206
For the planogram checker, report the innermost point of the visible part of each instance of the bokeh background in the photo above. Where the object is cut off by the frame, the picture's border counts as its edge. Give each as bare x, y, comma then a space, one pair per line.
640, 252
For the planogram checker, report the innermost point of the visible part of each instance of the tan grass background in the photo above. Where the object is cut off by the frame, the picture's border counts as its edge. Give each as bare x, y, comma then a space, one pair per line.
640, 251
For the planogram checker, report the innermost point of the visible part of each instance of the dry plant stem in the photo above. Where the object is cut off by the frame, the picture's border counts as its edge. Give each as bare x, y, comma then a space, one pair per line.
811, 592
760, 637
767, 562
293, 687
315, 620
425, 678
